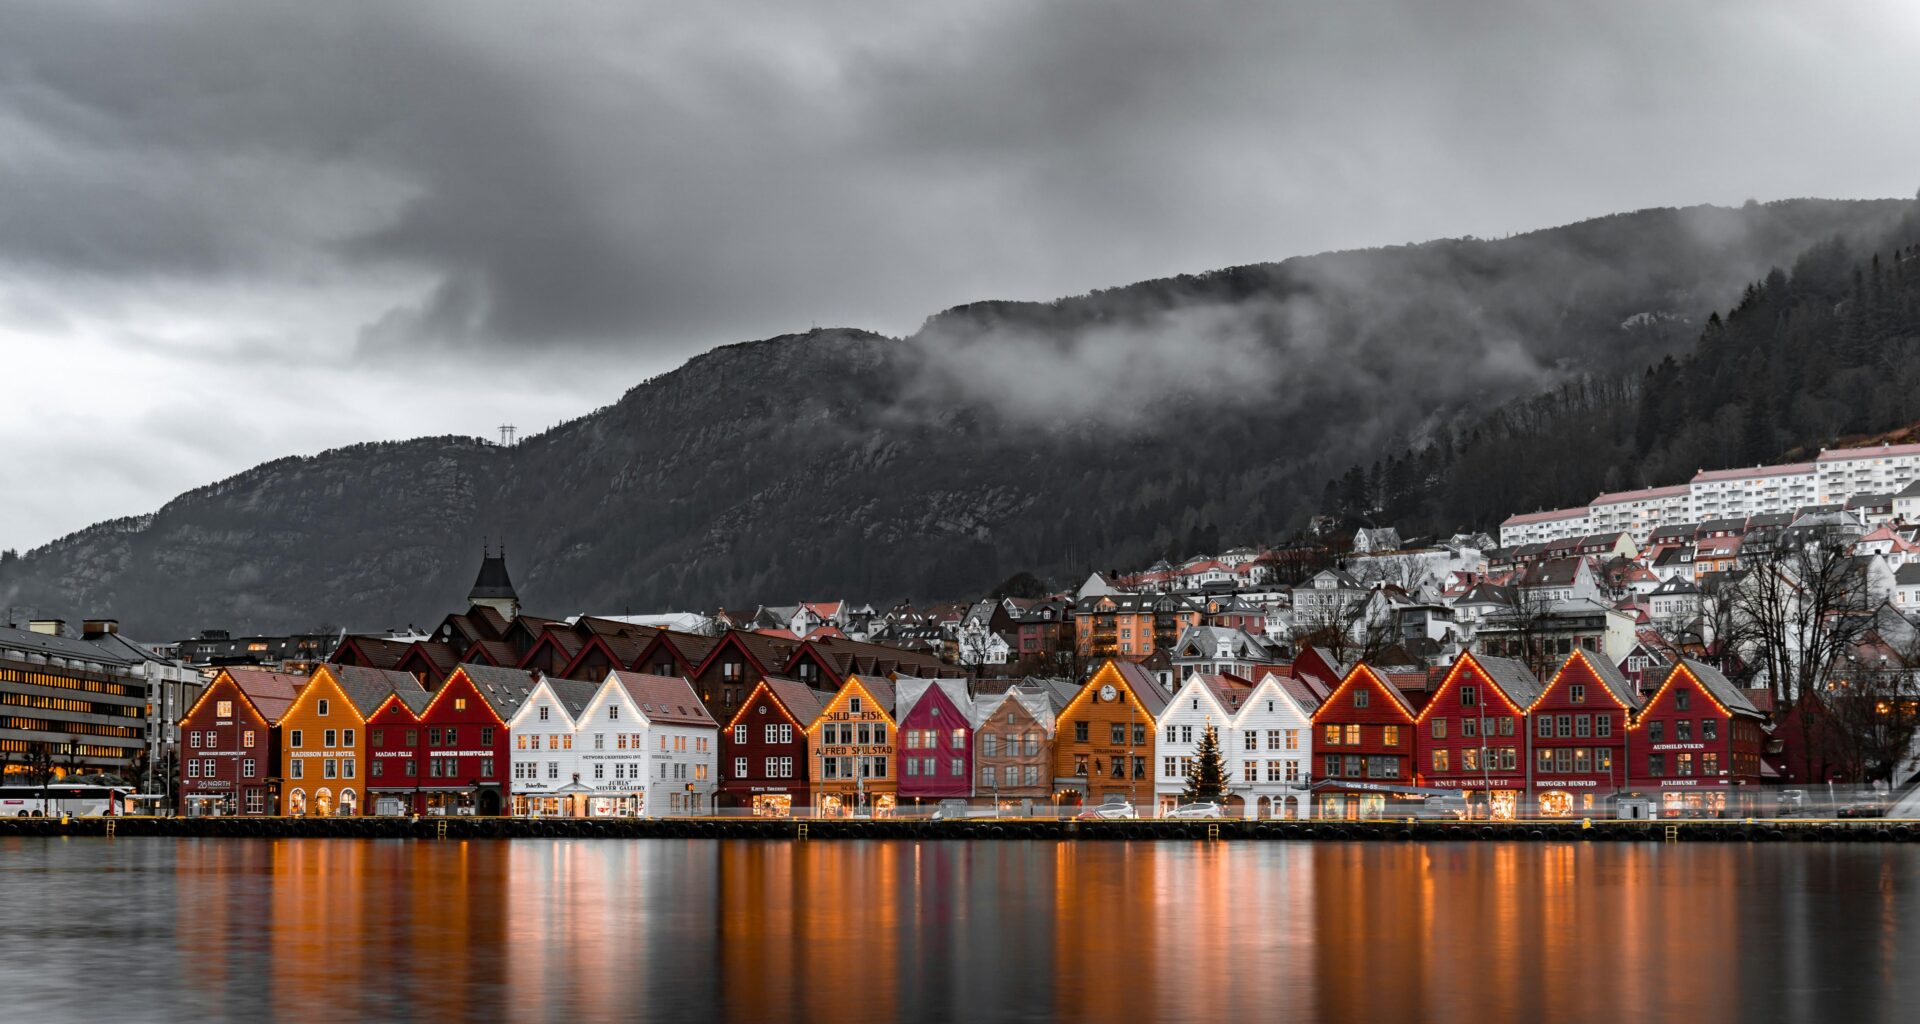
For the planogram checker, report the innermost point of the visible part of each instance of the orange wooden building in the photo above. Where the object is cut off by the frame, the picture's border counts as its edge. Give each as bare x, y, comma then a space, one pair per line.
1103, 740
323, 738
850, 746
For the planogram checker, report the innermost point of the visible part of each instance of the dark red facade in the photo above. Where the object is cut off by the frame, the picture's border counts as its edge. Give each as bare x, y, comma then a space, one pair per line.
763, 749
1472, 734
1363, 747
229, 748
1579, 733
465, 749
394, 761
1695, 748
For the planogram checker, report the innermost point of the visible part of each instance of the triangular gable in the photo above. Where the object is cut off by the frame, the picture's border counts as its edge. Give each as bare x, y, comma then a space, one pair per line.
855, 687
1608, 680
1686, 667
1109, 672
1271, 682
1364, 675
460, 674
1469, 662
553, 647
526, 708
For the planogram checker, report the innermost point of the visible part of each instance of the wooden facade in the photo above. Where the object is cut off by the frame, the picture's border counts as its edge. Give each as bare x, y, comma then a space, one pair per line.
1364, 747
936, 740
466, 745
394, 763
1013, 749
1578, 738
230, 751
1695, 747
851, 746
1103, 744
1472, 735
764, 762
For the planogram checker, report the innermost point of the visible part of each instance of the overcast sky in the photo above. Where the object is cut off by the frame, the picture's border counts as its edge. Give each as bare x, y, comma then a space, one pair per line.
234, 231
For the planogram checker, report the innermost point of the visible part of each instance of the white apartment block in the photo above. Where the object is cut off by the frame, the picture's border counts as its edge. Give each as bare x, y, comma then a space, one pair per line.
1762, 490
1639, 513
1845, 472
1539, 527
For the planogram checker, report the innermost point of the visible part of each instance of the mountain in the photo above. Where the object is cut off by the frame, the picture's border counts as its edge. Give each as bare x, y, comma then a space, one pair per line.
1824, 353
1098, 430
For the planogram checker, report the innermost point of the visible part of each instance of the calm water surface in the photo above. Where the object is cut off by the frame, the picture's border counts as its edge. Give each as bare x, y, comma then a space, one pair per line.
667, 930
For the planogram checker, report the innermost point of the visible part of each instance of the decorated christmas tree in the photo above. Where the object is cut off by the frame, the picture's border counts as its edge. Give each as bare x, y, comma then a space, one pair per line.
1207, 779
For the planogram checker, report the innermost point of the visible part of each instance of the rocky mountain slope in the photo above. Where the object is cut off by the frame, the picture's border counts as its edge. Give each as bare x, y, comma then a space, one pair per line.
1097, 430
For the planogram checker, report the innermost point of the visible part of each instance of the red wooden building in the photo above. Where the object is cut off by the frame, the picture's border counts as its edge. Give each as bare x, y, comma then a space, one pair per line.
1472, 733
229, 748
465, 745
1363, 748
763, 748
1695, 748
936, 740
395, 766
1579, 738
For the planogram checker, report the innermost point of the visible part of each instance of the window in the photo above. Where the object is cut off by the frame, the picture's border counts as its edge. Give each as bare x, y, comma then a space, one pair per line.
553, 769
1170, 767
1710, 763
1470, 760
295, 738
329, 769
1506, 727
1330, 735
449, 734
1577, 693
1583, 725
1330, 765
853, 705
1683, 731
486, 737
1440, 761
1469, 727
1360, 698
1683, 764
1656, 764
913, 766
1656, 731
1469, 696
1389, 736
543, 712
247, 768
1139, 767
1709, 729
959, 738
378, 737
1352, 736
1439, 728
740, 767
1602, 759
1563, 726
323, 708
1118, 733
613, 712
1603, 725
1681, 700
459, 703
328, 738
1031, 773
246, 738
346, 768
1543, 760
989, 745
377, 769
223, 709
193, 737
1080, 763
1173, 734
413, 737
1543, 726
346, 737
193, 767
256, 801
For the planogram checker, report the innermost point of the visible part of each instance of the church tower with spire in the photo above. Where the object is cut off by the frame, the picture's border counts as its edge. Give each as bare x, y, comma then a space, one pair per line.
493, 588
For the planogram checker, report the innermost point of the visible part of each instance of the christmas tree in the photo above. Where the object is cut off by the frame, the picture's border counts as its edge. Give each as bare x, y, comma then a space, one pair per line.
1207, 779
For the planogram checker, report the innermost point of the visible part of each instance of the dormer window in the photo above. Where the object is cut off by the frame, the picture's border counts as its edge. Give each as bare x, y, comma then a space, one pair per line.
613, 712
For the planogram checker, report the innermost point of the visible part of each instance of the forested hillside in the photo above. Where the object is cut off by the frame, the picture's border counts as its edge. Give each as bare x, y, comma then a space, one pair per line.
1096, 431
1819, 353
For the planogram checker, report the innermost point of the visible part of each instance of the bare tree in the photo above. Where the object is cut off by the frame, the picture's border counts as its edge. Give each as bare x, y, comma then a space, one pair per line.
1335, 622
1799, 613
1522, 615
1872, 710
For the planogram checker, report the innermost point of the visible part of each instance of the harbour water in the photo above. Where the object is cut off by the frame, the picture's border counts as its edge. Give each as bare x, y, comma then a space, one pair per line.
693, 930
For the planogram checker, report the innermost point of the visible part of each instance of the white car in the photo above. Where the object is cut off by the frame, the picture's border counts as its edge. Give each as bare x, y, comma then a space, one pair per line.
1198, 810
1109, 811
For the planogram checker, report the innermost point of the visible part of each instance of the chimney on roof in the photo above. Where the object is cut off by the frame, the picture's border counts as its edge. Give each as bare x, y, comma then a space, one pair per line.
48, 627
94, 629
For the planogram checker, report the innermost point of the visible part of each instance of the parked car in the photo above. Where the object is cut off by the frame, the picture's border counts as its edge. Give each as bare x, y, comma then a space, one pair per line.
1108, 812
1863, 809
1792, 802
1202, 809
1451, 807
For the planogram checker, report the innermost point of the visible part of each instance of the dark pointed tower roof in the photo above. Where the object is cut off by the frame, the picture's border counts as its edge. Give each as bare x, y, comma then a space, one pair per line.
493, 582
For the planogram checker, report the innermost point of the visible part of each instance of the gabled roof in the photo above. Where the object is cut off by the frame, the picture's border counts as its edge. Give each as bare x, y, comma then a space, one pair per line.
908, 692
1038, 701
801, 701
270, 693
368, 688
879, 688
492, 652
377, 652
492, 581
573, 694
1230, 692
1678, 583
1513, 677
1364, 675
1603, 670
503, 688
1730, 696
666, 700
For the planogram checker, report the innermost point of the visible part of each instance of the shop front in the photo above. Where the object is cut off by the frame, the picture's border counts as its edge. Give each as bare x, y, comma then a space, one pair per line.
1572, 798
391, 803
1493, 798
1700, 798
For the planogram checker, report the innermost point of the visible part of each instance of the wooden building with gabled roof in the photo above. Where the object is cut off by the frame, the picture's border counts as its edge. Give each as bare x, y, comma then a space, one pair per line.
230, 750
764, 761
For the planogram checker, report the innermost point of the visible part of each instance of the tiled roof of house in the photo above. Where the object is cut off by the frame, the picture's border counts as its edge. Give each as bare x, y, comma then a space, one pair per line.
666, 700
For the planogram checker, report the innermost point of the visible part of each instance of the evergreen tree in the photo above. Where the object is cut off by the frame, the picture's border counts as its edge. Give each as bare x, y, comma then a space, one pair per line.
1207, 779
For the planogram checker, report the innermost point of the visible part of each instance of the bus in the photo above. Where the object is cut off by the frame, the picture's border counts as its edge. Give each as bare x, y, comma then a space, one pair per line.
56, 799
